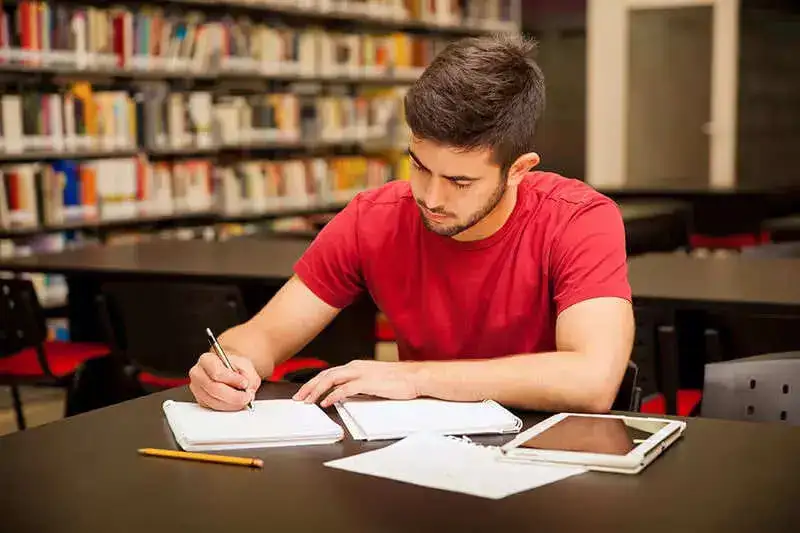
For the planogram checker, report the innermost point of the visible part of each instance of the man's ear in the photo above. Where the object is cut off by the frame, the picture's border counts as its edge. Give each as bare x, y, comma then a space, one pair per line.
522, 166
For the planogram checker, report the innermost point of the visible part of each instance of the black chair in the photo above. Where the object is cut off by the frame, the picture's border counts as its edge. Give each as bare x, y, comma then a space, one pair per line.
157, 329
629, 396
763, 388
27, 357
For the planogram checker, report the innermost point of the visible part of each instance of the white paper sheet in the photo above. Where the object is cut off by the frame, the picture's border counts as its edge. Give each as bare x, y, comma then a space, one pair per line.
448, 463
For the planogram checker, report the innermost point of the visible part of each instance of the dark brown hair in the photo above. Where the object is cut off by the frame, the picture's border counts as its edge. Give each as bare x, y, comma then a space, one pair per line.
480, 92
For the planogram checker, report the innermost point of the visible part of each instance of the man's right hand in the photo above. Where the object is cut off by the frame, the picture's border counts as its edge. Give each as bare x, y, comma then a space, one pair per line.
216, 387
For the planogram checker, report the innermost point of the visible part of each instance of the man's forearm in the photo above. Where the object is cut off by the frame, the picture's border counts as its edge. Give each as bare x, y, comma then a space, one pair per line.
555, 381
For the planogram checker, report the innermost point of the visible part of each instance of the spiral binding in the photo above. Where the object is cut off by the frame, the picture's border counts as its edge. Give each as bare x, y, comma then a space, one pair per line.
497, 407
494, 450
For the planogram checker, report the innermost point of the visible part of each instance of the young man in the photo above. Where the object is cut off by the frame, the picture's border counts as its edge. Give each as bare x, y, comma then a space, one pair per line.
499, 282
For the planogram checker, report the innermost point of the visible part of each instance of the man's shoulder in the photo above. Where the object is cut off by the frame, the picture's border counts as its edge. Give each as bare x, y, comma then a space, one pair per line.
567, 192
563, 196
384, 200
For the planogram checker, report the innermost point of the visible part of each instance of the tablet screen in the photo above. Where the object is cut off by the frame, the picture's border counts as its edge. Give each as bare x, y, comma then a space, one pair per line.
590, 434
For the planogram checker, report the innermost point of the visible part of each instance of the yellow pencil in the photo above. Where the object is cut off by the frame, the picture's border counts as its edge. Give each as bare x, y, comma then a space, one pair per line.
207, 457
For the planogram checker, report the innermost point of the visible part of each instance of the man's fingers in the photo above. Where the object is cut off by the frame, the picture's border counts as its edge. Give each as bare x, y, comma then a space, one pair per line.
309, 385
217, 395
336, 376
228, 395
204, 399
244, 367
217, 371
342, 392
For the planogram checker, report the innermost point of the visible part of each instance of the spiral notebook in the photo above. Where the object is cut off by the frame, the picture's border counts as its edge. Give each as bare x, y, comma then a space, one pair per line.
373, 419
453, 464
271, 423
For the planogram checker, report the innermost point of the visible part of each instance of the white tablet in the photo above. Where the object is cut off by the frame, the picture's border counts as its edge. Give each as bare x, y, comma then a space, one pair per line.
610, 443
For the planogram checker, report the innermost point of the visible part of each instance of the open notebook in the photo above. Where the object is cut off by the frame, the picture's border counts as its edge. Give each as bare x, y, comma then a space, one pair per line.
271, 423
370, 419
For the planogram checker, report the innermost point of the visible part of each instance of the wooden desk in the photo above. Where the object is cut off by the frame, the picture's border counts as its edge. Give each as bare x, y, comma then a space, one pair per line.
718, 211
83, 474
783, 228
685, 280
238, 259
692, 311
234, 260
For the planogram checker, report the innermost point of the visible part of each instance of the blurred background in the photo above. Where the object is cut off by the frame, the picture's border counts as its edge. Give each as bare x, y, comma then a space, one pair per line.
213, 121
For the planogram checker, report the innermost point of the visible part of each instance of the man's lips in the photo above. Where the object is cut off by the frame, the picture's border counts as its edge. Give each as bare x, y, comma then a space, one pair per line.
432, 215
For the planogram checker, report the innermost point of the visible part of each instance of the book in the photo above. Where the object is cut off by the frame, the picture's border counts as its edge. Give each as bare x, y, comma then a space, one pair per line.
453, 464
155, 39
374, 419
272, 423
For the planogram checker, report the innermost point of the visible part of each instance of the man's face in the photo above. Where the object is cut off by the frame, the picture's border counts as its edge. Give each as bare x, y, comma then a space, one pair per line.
454, 189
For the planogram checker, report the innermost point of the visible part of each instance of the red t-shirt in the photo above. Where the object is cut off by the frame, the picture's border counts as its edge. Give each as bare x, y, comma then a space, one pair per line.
563, 243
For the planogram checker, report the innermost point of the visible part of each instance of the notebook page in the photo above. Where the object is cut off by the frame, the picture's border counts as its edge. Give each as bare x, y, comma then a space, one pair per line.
447, 463
271, 420
399, 418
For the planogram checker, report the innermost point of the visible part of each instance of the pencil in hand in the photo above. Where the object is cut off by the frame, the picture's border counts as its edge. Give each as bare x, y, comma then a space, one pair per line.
204, 457
212, 339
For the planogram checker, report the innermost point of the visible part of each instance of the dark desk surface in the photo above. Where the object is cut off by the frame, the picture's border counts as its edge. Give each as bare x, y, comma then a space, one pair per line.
690, 188
84, 474
236, 259
738, 280
239, 259
636, 210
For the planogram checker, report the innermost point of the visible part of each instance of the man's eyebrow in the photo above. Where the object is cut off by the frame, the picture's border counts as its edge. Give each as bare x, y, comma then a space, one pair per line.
417, 161
451, 178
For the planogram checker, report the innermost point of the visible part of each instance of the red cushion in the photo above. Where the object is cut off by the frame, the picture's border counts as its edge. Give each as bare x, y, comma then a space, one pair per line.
63, 359
294, 364
145, 378
728, 241
687, 401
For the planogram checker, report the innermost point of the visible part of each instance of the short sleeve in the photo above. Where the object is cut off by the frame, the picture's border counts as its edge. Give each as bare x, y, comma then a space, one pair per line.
331, 266
589, 259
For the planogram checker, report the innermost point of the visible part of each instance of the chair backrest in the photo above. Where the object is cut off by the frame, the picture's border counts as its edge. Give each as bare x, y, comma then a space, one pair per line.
22, 322
160, 327
764, 388
629, 396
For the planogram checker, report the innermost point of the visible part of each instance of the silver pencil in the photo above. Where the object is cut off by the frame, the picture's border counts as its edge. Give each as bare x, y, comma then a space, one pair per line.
221, 354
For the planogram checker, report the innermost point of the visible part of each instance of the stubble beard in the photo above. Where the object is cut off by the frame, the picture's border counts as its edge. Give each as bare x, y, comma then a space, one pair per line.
450, 231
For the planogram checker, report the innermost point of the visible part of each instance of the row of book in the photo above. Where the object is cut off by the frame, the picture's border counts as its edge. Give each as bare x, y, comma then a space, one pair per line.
155, 118
486, 14
153, 39
262, 186
67, 192
195, 119
75, 119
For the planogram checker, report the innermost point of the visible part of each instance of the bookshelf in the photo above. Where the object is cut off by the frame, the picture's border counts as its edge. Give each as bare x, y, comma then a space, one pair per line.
199, 118
463, 17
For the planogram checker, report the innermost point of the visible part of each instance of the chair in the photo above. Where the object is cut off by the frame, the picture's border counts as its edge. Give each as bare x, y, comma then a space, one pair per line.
26, 356
763, 388
158, 329
629, 395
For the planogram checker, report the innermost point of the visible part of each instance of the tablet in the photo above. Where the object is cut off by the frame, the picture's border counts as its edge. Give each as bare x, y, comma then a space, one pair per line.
610, 443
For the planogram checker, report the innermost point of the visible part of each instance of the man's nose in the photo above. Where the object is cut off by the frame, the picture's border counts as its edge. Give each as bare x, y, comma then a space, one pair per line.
434, 196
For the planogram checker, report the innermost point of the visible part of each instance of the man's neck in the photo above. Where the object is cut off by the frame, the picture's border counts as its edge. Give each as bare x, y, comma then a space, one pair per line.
491, 223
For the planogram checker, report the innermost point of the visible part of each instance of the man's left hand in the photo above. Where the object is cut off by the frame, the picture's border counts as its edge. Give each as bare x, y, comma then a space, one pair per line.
396, 381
